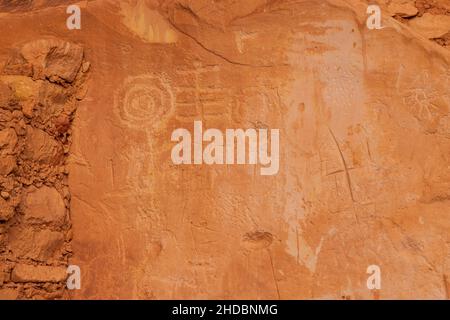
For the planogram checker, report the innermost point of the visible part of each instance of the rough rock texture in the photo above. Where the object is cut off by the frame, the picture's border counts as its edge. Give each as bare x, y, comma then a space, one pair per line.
39, 84
365, 150
429, 18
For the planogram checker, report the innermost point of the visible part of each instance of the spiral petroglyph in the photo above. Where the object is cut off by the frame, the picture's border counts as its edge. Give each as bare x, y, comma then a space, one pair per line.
144, 101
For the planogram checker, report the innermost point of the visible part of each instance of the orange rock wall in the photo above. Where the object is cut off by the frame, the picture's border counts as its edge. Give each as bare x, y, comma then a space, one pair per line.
364, 174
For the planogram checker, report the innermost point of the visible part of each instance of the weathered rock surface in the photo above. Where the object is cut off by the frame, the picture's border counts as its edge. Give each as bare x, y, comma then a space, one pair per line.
8, 294
431, 26
364, 173
7, 165
6, 96
40, 147
39, 87
40, 245
28, 273
403, 8
44, 205
8, 141
6, 210
53, 59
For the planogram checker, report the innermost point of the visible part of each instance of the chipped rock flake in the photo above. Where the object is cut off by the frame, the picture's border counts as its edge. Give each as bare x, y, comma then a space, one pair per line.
39, 245
44, 205
53, 59
40, 147
403, 8
6, 210
431, 26
7, 165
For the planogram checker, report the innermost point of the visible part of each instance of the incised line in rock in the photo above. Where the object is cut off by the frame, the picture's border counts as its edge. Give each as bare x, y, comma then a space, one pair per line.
344, 163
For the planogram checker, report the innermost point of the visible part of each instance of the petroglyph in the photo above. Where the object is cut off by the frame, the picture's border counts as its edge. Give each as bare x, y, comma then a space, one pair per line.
199, 93
144, 102
423, 97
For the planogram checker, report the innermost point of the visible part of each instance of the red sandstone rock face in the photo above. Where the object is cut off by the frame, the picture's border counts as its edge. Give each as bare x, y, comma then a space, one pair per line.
364, 173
